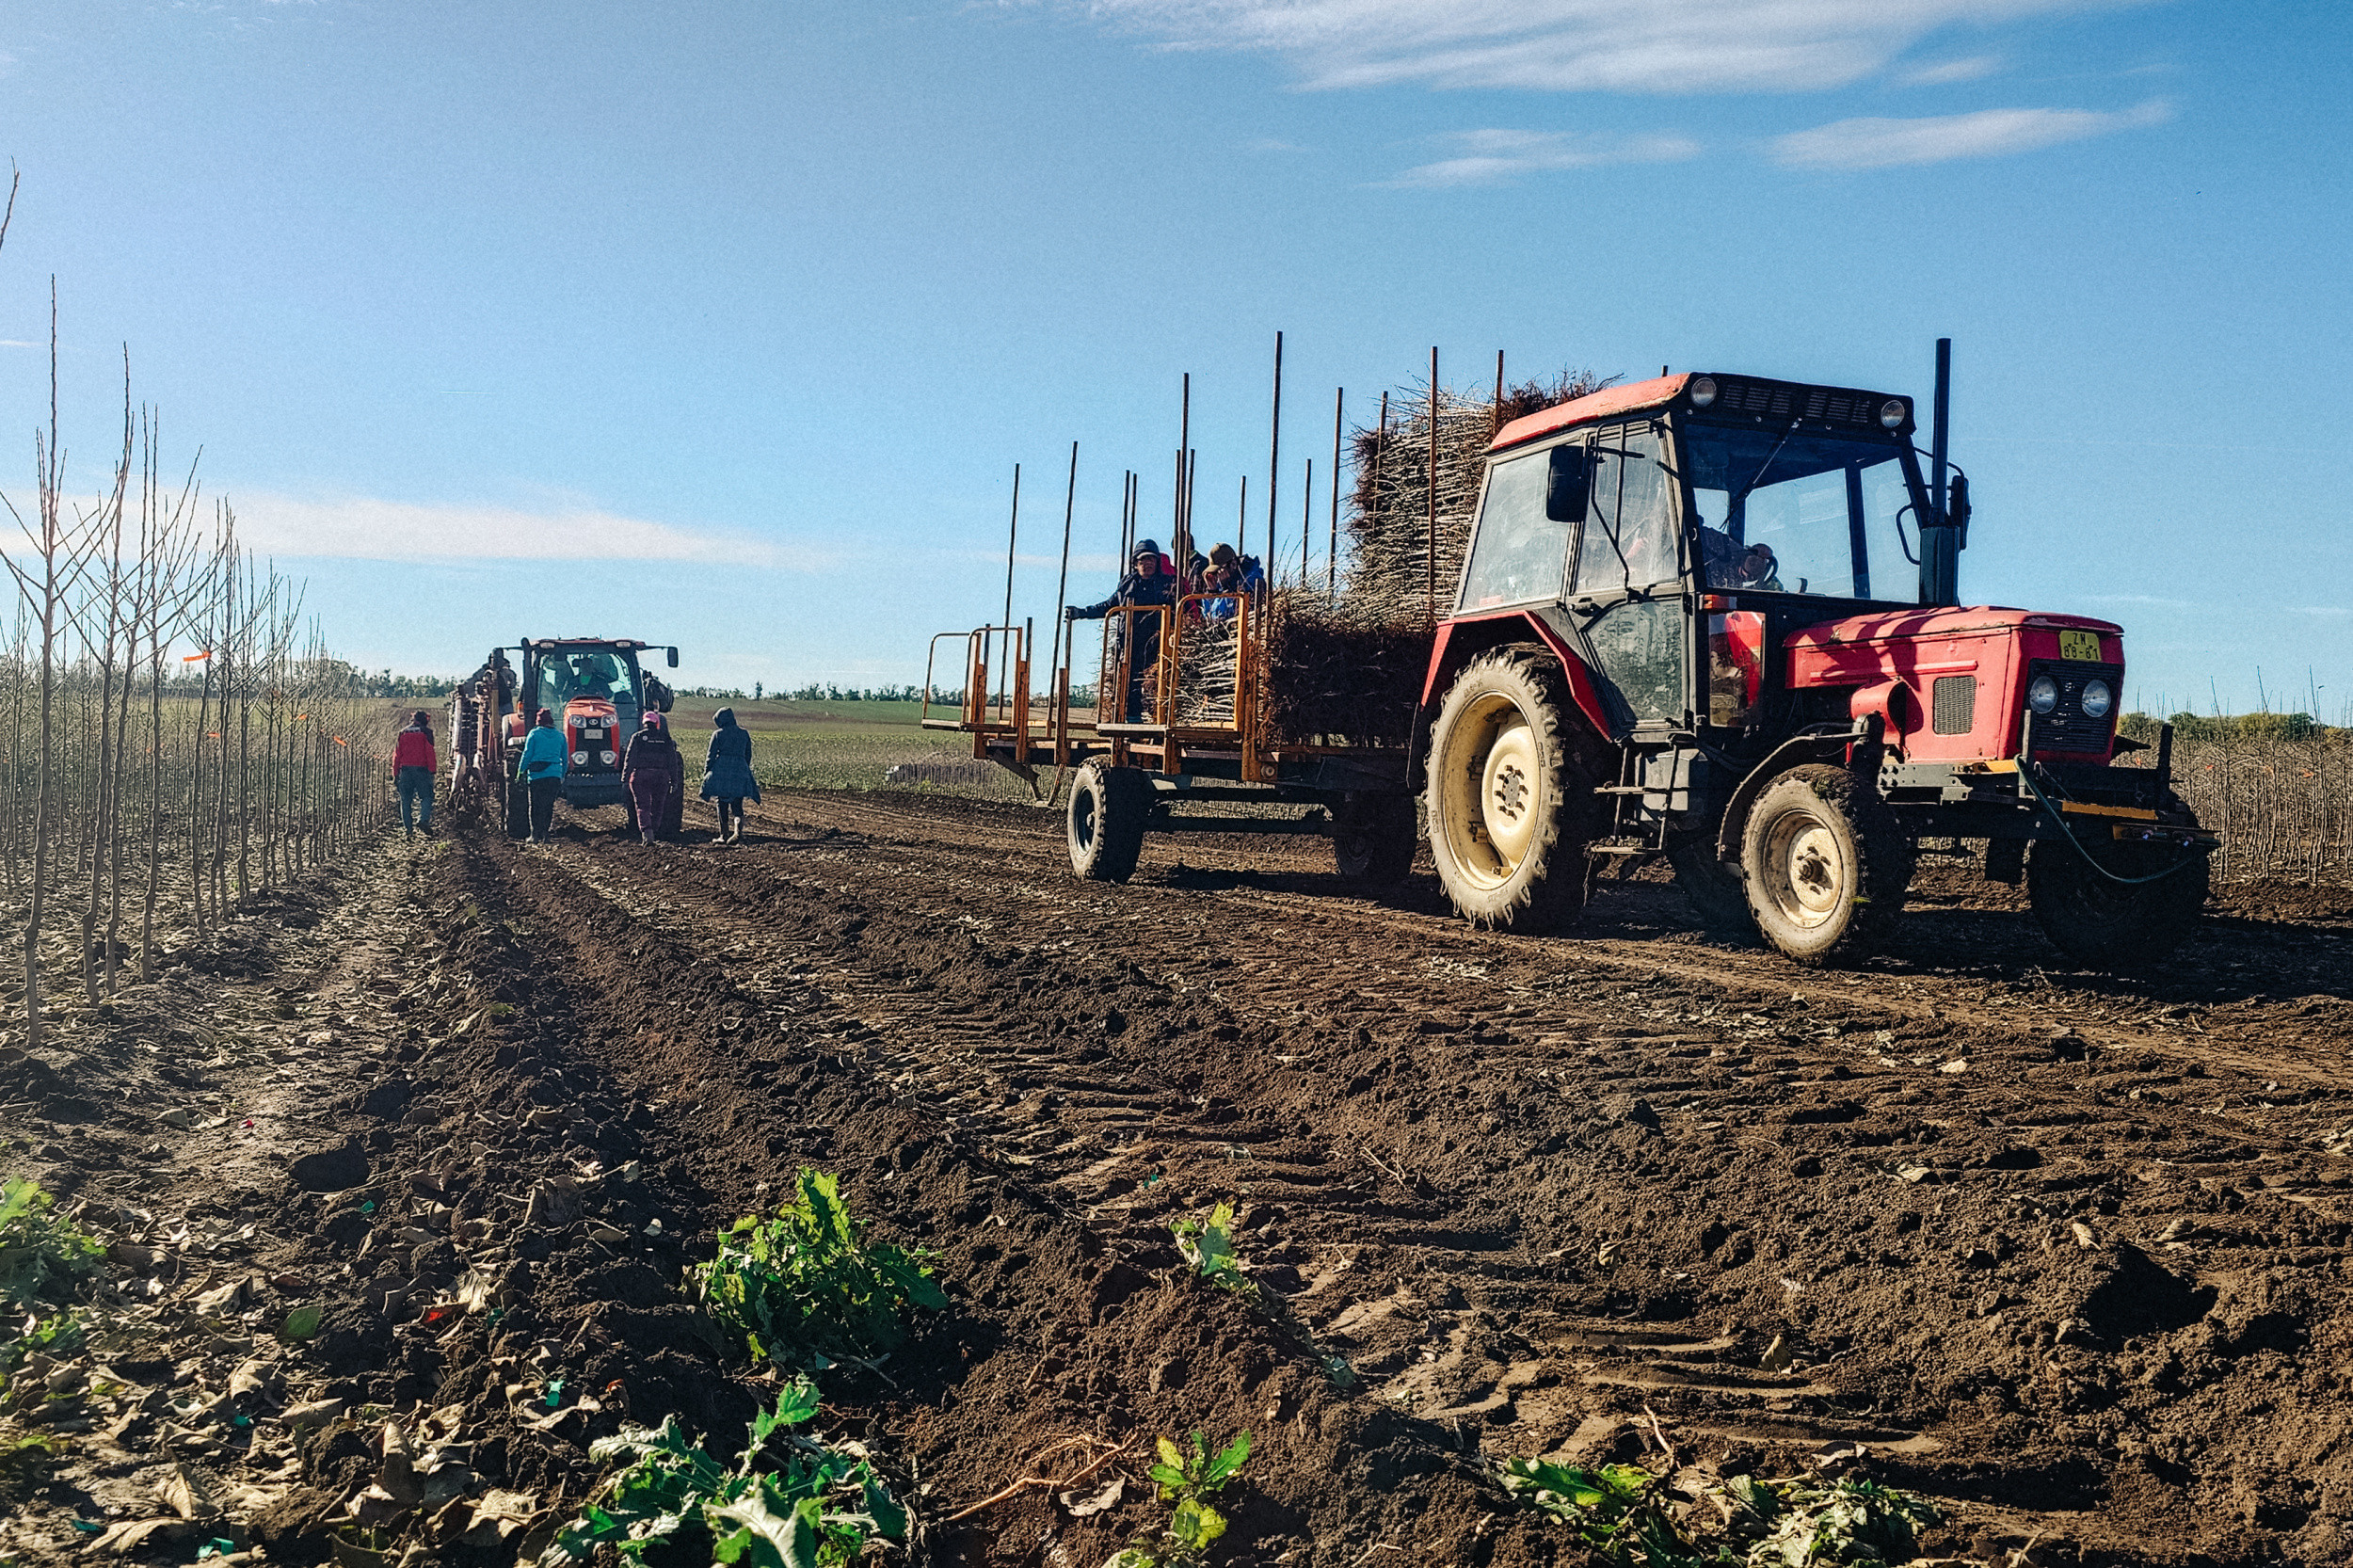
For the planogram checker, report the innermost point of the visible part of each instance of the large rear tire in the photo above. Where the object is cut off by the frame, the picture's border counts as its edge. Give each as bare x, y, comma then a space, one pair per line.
1109, 810
1512, 776
2104, 924
1826, 865
1715, 890
1374, 837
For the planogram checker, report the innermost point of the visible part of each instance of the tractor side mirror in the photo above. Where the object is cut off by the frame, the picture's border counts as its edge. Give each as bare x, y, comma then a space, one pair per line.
674, 658
1956, 507
1567, 482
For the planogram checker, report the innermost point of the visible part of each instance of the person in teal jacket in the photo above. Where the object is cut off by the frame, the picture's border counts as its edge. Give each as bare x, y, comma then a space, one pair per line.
542, 773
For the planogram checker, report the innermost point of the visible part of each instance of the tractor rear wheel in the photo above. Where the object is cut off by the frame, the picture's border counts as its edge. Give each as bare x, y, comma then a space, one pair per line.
1512, 776
1374, 837
1109, 810
2106, 924
1716, 892
1826, 865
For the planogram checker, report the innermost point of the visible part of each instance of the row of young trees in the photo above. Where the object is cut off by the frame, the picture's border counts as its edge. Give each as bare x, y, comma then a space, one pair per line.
179, 741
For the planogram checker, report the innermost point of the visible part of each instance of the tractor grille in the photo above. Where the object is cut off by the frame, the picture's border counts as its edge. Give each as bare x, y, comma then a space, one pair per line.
2068, 727
1954, 704
1777, 400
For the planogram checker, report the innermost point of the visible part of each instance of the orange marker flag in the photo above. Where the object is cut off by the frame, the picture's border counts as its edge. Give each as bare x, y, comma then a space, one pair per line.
192, 658
339, 740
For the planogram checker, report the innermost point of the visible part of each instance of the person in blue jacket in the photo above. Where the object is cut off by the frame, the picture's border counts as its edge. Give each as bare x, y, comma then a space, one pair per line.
727, 774
541, 770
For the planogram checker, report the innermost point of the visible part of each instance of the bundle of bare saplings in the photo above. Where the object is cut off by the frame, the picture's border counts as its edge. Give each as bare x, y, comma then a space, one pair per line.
1347, 667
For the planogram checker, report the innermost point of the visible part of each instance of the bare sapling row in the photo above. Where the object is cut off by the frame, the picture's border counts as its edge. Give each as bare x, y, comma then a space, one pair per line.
179, 740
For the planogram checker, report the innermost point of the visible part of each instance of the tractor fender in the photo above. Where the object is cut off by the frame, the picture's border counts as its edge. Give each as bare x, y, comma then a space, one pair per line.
1824, 742
1461, 640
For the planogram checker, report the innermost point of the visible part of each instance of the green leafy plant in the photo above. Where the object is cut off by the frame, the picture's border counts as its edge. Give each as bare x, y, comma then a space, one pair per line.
1189, 1481
818, 1510
1630, 1517
43, 1259
802, 1289
1209, 1246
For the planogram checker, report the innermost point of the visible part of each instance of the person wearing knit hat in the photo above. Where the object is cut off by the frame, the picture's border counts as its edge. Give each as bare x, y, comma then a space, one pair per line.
1149, 584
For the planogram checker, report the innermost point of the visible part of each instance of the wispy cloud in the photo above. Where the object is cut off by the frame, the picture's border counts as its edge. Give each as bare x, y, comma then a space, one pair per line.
2135, 598
1975, 67
1858, 144
1567, 45
368, 528
2319, 610
1491, 156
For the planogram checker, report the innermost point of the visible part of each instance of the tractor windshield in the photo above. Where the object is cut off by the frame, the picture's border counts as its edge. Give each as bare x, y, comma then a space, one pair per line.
1790, 511
591, 673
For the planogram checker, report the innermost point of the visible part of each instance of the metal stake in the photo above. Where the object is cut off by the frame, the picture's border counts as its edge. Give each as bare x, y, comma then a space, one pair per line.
1012, 532
1274, 458
1331, 560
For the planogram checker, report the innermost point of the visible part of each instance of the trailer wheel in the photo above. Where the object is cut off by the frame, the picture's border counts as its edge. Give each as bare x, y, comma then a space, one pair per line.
1512, 775
1826, 865
1109, 808
1717, 894
2104, 924
1375, 835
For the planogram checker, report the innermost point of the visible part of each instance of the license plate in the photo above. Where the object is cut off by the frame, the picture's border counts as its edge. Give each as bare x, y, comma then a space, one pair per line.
2082, 645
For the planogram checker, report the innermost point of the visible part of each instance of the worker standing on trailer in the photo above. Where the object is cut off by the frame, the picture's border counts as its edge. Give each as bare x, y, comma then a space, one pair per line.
651, 769
727, 774
1148, 582
414, 766
541, 768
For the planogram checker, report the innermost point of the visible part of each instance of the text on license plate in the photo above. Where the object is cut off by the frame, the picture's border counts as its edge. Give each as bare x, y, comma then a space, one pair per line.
2084, 646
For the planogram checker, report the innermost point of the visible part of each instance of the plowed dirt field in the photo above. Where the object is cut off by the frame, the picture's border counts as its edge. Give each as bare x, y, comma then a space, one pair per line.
2068, 1254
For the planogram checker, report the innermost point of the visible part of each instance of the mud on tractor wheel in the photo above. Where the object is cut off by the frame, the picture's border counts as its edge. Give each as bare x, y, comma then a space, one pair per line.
1374, 837
1826, 865
1109, 810
1513, 769
2106, 924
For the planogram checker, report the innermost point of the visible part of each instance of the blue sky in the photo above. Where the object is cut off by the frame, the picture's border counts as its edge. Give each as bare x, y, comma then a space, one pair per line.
724, 324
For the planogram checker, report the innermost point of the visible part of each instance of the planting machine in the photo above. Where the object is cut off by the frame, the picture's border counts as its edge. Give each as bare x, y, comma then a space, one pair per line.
596, 691
1710, 619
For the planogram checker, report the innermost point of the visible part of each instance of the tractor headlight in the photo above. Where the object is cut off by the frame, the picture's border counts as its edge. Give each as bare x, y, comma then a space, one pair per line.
580, 759
2042, 693
2098, 699
1702, 390
606, 757
1892, 412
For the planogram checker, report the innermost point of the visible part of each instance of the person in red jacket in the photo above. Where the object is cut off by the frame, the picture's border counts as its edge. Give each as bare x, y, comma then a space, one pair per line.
414, 766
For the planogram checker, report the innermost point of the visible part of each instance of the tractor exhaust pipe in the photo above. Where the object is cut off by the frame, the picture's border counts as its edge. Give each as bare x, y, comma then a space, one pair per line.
1940, 532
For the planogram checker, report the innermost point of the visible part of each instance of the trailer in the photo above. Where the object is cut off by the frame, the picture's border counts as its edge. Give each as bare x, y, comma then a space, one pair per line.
1673, 638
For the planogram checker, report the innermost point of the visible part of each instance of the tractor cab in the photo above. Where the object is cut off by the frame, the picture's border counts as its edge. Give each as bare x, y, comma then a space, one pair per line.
1743, 592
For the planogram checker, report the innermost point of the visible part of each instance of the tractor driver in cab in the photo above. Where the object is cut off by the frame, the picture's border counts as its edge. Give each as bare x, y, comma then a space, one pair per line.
596, 674
1148, 582
1729, 567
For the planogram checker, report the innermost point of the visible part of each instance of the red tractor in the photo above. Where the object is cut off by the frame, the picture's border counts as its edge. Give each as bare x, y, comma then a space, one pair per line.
1674, 637
1706, 618
596, 692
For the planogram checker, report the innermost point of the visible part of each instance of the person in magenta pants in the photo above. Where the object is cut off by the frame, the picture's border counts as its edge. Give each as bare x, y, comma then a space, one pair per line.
651, 768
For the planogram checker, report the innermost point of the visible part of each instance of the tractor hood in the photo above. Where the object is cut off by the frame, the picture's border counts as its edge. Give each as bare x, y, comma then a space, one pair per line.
1951, 684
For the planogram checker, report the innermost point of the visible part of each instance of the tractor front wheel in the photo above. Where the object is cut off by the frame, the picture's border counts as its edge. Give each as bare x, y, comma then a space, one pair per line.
1109, 810
1374, 837
1826, 865
1512, 776
2106, 924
